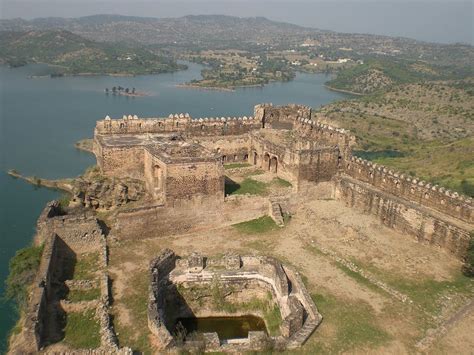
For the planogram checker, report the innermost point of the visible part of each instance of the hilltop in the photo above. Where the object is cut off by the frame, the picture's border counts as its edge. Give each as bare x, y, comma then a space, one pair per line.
423, 129
224, 32
73, 54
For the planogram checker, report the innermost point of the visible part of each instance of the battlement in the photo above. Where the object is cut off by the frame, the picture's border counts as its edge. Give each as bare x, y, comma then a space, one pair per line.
411, 188
343, 138
177, 123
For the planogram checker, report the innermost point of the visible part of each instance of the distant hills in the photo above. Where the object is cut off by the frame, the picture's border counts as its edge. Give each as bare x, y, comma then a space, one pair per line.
219, 31
188, 30
74, 54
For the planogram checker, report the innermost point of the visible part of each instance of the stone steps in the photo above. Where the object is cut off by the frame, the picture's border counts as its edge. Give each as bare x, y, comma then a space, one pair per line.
303, 334
275, 213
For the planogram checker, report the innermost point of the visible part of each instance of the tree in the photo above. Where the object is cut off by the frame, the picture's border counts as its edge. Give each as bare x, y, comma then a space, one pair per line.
114, 89
106, 90
127, 90
133, 90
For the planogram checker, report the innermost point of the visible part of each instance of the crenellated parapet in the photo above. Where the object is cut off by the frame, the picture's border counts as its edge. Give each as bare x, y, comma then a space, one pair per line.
411, 188
343, 138
177, 123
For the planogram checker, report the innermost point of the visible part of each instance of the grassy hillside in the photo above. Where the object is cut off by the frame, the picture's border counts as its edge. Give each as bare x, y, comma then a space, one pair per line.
73, 54
425, 130
381, 74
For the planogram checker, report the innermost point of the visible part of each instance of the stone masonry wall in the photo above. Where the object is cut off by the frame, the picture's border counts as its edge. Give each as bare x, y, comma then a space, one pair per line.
407, 217
411, 189
203, 180
319, 165
160, 221
159, 270
121, 162
326, 134
281, 117
78, 232
213, 126
231, 148
35, 318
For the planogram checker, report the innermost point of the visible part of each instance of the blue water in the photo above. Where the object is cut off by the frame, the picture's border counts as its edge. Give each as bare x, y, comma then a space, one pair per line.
41, 119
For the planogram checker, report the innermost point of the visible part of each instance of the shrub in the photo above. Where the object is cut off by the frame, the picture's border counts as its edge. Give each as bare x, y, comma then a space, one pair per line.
23, 267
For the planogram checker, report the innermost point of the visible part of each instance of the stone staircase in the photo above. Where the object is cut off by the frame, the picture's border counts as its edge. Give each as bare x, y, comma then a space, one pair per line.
300, 337
275, 213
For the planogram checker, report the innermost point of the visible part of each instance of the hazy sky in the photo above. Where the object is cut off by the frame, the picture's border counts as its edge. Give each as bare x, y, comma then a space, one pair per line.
440, 21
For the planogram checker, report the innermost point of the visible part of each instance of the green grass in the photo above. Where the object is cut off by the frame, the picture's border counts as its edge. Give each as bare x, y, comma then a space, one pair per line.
236, 165
281, 182
247, 186
83, 295
136, 302
64, 200
354, 324
86, 266
82, 330
428, 293
260, 225
23, 267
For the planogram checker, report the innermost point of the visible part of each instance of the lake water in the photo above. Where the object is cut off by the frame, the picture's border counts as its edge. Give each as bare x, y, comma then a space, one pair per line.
41, 119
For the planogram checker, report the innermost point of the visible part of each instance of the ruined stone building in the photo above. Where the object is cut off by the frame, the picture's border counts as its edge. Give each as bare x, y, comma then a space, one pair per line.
180, 159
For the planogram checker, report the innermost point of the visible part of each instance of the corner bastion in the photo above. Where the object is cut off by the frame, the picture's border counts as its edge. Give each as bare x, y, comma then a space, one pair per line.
173, 278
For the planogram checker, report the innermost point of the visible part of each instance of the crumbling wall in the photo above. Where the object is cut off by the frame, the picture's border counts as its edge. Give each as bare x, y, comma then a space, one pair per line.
406, 216
159, 271
187, 216
36, 314
231, 148
263, 152
281, 117
79, 232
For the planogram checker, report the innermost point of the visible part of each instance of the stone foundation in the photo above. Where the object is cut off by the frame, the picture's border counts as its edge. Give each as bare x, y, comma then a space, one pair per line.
300, 316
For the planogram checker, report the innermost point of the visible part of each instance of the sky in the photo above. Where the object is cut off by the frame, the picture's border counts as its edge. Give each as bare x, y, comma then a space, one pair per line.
445, 21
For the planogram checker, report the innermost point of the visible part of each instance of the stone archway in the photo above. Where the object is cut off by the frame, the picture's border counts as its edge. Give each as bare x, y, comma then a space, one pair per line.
266, 161
273, 165
255, 158
157, 178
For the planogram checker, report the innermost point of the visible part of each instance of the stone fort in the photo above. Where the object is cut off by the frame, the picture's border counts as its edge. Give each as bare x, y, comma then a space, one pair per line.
181, 161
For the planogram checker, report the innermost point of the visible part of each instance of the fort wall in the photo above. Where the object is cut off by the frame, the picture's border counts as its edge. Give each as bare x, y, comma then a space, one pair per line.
409, 218
318, 165
35, 318
207, 126
192, 216
188, 181
325, 134
78, 232
126, 161
411, 189
231, 148
280, 117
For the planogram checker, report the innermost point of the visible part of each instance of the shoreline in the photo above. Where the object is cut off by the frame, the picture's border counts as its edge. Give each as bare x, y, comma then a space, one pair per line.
59, 185
343, 91
86, 145
213, 88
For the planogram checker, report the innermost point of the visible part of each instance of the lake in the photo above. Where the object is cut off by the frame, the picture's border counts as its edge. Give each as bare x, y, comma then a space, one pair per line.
42, 118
